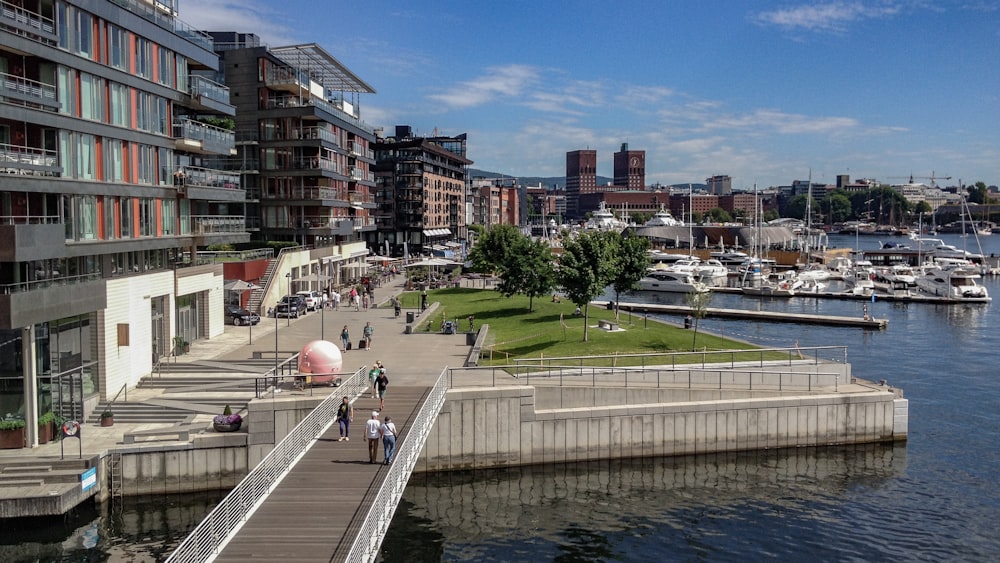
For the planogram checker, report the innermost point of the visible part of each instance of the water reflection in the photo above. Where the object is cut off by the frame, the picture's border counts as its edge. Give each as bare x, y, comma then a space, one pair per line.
597, 510
133, 529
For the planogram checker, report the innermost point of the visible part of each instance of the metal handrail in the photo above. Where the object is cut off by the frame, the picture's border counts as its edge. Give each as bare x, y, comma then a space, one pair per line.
369, 537
124, 388
801, 352
226, 519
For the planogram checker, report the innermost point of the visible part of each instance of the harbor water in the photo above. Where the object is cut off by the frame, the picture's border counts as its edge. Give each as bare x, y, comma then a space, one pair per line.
933, 498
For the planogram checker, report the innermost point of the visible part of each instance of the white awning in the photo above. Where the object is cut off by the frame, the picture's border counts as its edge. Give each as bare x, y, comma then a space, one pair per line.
436, 232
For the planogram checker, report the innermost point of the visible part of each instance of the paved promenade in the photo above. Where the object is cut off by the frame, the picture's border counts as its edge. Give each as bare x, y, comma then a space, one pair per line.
411, 360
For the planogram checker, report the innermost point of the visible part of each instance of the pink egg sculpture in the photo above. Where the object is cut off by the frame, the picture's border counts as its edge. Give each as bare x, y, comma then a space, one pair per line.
321, 361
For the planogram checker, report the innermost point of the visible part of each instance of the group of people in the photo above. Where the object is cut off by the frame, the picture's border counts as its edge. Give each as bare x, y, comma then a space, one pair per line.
375, 429
367, 333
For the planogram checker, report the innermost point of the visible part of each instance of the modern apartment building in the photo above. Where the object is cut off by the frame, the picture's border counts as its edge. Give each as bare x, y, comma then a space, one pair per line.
303, 149
421, 191
630, 169
496, 201
110, 116
719, 185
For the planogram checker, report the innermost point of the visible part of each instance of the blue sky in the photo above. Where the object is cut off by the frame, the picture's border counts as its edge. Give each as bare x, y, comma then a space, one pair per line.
761, 91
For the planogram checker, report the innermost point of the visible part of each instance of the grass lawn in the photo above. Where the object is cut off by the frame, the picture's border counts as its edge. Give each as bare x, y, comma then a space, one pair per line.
551, 330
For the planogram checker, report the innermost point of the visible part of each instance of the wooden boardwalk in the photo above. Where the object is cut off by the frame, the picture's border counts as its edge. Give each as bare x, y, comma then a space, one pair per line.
316, 511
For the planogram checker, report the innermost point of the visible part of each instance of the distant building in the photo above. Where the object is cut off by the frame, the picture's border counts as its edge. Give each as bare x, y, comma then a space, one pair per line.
719, 185
421, 190
630, 169
581, 178
496, 201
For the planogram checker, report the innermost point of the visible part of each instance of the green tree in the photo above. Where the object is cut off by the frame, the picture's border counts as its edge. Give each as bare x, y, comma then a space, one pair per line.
698, 301
978, 193
586, 267
719, 215
494, 248
796, 206
529, 271
837, 206
631, 261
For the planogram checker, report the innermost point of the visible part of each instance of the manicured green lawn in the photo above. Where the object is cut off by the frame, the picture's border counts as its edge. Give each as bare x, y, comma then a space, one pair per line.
551, 330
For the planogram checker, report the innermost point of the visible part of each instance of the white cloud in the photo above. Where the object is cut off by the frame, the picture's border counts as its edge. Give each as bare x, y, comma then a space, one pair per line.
826, 17
501, 82
244, 16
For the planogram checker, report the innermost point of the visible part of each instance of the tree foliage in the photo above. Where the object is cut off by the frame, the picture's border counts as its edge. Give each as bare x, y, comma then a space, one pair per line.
494, 248
837, 206
586, 267
523, 266
631, 261
978, 193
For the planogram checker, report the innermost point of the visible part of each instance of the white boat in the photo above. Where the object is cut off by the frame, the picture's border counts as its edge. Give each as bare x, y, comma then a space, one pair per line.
938, 249
603, 220
712, 272
670, 281
663, 218
897, 280
776, 285
957, 283
730, 257
861, 278
814, 273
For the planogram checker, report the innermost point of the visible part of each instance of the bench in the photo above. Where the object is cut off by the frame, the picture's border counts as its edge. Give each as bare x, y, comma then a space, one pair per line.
472, 360
182, 434
607, 325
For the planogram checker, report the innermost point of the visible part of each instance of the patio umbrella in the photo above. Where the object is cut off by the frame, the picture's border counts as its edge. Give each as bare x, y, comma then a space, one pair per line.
378, 258
239, 286
313, 278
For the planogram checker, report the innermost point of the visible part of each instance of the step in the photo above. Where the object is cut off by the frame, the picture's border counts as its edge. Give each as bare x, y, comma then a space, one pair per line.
25, 469
21, 483
57, 476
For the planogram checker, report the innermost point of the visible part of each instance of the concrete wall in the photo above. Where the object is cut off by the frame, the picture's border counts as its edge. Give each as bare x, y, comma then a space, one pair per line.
480, 428
270, 420
210, 462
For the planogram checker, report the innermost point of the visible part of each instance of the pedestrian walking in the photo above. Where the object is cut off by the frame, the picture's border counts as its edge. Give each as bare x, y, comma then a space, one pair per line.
345, 415
365, 300
373, 431
345, 338
388, 431
382, 382
336, 300
423, 300
396, 305
373, 379
369, 330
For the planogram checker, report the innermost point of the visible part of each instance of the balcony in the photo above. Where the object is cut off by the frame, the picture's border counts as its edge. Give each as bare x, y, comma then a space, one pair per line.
29, 161
28, 303
210, 95
212, 224
308, 163
288, 80
308, 193
303, 101
358, 149
208, 184
361, 175
194, 136
27, 22
15, 89
31, 237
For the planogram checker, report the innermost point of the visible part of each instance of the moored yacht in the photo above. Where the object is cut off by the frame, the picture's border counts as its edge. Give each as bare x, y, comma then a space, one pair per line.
956, 283
604, 220
663, 218
670, 281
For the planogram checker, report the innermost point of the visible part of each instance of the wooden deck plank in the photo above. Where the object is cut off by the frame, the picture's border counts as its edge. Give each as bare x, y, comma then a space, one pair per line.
312, 513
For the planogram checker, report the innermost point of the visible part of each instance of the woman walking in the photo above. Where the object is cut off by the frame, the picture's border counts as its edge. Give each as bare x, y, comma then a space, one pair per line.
345, 415
345, 338
388, 430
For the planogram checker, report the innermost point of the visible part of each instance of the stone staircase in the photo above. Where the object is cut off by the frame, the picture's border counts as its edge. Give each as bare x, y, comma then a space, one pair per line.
42, 485
257, 295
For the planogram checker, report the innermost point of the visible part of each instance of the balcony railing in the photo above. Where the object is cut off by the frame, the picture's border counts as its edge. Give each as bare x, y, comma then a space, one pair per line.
296, 101
200, 86
208, 224
308, 192
360, 174
27, 90
29, 219
213, 139
31, 161
278, 77
8, 289
24, 18
359, 197
309, 163
163, 16
358, 149
206, 178
362, 222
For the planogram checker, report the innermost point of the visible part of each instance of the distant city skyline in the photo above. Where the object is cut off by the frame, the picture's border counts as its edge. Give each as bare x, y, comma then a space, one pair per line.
762, 92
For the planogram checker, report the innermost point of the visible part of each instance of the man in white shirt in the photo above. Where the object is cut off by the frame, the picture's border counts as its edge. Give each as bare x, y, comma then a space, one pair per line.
373, 431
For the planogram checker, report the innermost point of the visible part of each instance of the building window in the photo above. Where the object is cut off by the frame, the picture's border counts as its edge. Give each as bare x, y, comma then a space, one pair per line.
118, 47
121, 105
168, 216
126, 217
114, 166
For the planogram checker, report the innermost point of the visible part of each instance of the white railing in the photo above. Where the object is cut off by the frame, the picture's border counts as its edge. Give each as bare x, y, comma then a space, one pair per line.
369, 538
215, 531
45, 93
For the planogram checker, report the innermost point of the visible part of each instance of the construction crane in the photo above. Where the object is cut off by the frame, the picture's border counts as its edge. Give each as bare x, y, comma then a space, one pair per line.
932, 178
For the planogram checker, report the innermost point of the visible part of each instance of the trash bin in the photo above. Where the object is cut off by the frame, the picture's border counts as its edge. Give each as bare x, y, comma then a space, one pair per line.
687, 321
409, 317
470, 339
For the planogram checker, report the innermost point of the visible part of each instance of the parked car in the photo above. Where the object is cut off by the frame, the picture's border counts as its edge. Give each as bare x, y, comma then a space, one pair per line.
314, 299
291, 306
239, 316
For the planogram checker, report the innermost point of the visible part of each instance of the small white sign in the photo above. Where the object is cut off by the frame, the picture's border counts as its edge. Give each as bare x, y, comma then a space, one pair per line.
88, 478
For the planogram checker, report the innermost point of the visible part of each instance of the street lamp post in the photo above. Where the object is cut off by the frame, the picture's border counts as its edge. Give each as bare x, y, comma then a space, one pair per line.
322, 320
288, 277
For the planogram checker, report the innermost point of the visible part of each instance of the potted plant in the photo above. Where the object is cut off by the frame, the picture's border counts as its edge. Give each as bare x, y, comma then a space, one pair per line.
107, 418
11, 433
227, 421
46, 427
181, 345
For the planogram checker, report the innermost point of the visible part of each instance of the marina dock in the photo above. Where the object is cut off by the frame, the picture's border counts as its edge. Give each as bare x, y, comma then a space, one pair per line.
769, 316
